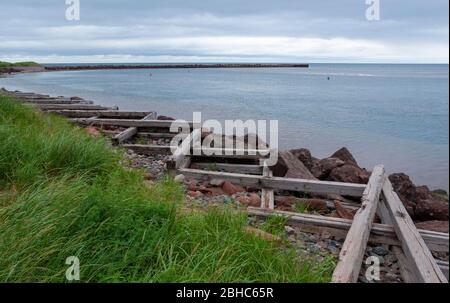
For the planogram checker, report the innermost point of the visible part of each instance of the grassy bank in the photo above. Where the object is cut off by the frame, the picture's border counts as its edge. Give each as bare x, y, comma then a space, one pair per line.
19, 64
63, 193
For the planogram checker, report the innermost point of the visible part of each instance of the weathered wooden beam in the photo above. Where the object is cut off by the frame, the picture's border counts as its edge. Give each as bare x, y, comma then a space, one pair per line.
230, 168
443, 265
124, 136
148, 149
383, 214
312, 186
338, 227
131, 131
421, 261
352, 252
267, 194
225, 153
54, 101
183, 151
28, 95
133, 123
46, 107
100, 113
157, 135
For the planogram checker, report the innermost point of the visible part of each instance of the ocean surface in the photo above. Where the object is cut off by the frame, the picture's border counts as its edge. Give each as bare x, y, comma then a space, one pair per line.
397, 115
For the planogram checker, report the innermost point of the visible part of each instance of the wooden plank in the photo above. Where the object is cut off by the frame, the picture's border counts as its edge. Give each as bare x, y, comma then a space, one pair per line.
267, 195
101, 113
183, 151
312, 186
148, 149
28, 95
225, 153
158, 135
131, 131
380, 233
407, 274
132, 123
421, 261
40, 98
383, 213
354, 247
443, 265
230, 168
46, 107
56, 101
124, 136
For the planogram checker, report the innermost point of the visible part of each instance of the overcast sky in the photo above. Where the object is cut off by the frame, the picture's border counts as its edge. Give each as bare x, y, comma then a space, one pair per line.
410, 31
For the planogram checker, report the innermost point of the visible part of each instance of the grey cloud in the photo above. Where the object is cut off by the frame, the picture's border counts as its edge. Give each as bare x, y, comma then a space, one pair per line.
295, 30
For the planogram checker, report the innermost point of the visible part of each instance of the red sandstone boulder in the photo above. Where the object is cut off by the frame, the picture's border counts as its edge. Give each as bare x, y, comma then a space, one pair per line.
432, 209
345, 155
231, 189
439, 226
322, 168
287, 203
303, 155
252, 200
423, 193
350, 174
404, 187
290, 166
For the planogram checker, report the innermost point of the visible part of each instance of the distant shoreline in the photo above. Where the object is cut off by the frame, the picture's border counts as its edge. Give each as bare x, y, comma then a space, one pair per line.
172, 66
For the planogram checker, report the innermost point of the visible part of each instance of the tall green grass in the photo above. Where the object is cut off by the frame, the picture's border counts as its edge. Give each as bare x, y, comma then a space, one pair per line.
63, 193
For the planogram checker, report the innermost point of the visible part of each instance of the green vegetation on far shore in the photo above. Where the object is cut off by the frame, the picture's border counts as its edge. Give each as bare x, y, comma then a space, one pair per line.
64, 193
4, 64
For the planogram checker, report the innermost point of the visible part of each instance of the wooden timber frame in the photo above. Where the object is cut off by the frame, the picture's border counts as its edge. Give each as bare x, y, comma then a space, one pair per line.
411, 246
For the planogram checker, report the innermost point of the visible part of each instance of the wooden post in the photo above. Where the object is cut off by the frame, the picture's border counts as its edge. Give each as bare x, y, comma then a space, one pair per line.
267, 195
421, 261
352, 252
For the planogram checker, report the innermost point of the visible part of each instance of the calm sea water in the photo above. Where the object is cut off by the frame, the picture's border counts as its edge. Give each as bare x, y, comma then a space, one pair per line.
392, 114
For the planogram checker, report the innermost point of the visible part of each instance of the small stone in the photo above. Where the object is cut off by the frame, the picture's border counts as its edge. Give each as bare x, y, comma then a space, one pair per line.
333, 243
179, 178
194, 194
380, 251
227, 200
289, 230
149, 176
216, 182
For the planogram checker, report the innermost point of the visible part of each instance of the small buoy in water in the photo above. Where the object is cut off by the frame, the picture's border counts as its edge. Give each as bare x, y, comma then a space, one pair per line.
328, 78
